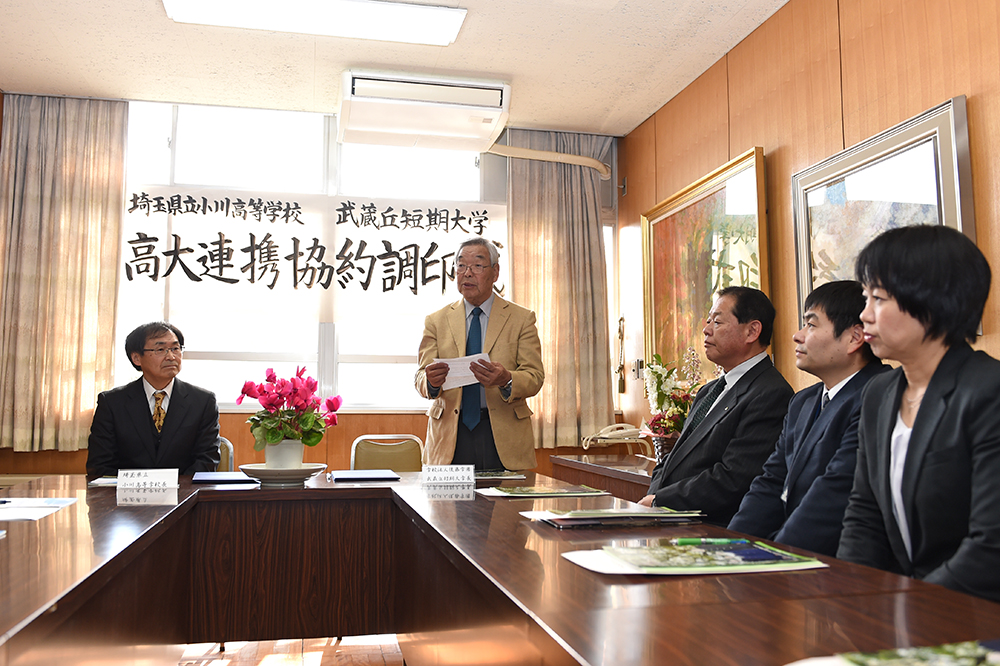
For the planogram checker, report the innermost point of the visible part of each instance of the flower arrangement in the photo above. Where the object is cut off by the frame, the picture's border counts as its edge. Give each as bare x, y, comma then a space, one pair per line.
291, 410
670, 397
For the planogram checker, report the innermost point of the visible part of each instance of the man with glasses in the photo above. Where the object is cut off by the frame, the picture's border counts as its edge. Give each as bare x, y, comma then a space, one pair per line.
157, 421
487, 423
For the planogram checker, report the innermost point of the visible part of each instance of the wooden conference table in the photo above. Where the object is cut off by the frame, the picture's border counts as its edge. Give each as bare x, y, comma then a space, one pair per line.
460, 581
625, 476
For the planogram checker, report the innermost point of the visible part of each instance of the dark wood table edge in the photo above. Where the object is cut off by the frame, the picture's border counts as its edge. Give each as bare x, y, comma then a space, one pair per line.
601, 469
76, 595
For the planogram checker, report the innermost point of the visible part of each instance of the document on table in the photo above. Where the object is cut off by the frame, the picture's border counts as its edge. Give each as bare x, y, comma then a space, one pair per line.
102, 481
31, 508
459, 373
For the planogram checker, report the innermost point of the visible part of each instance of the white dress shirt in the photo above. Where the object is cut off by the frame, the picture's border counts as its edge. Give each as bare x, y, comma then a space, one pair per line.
152, 401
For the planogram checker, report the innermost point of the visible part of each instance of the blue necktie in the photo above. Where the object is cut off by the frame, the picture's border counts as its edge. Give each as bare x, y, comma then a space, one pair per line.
471, 400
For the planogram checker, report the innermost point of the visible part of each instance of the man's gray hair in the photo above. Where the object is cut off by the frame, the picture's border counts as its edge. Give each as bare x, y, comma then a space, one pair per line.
479, 240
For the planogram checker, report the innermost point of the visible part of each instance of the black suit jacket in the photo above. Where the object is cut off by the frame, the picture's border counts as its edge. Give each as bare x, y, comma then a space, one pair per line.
711, 466
951, 478
801, 496
122, 435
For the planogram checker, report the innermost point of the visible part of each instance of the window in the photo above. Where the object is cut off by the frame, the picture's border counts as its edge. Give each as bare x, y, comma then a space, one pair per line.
236, 231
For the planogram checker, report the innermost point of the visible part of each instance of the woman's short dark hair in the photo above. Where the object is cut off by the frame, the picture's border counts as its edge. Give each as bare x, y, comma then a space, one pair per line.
751, 304
135, 342
936, 274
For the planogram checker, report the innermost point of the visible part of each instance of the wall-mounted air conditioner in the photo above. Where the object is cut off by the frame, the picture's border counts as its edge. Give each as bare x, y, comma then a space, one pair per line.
423, 112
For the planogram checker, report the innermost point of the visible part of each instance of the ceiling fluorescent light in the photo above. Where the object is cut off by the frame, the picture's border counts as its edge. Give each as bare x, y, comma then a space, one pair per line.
356, 19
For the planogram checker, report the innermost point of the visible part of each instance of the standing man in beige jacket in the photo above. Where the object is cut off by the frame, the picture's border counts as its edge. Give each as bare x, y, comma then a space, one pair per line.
486, 424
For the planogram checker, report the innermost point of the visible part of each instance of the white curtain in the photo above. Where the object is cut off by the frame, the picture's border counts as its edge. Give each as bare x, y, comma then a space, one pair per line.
62, 189
558, 270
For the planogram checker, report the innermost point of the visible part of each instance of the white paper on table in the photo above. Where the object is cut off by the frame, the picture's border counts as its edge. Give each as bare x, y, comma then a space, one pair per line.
31, 508
459, 373
104, 481
600, 561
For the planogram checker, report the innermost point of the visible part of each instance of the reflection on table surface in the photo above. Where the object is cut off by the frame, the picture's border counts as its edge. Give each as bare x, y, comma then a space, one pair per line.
395, 557
632, 464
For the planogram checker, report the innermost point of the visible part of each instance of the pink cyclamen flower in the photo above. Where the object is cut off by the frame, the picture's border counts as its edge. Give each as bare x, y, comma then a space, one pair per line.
331, 419
249, 390
270, 376
271, 402
332, 404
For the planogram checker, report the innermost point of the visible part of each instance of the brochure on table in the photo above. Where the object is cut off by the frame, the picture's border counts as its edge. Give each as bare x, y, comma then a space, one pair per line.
711, 556
634, 515
949, 654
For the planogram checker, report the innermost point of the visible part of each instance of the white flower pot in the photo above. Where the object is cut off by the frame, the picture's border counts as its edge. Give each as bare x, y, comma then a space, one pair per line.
287, 454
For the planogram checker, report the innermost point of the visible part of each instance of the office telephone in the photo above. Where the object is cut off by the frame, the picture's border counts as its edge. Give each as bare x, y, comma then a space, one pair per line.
613, 434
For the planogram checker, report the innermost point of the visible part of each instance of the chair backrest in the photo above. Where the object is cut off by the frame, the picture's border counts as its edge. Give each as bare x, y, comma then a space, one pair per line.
400, 453
226, 462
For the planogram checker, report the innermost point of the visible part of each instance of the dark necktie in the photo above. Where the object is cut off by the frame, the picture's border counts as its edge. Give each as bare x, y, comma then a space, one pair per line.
471, 399
158, 412
826, 400
706, 404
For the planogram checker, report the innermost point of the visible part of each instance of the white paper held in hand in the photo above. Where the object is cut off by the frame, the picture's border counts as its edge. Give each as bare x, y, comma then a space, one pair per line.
459, 373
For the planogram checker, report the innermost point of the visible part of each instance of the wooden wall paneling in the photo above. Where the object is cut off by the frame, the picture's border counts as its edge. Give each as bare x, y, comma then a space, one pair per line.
784, 95
40, 463
689, 139
692, 133
637, 166
901, 57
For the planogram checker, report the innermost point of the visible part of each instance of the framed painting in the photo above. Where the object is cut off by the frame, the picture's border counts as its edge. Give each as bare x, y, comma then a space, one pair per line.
708, 236
917, 172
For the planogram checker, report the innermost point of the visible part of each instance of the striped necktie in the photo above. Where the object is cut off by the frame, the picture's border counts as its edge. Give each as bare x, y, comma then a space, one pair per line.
706, 404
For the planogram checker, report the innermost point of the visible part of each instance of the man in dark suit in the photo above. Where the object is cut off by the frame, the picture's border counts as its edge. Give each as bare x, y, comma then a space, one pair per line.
157, 421
800, 498
734, 420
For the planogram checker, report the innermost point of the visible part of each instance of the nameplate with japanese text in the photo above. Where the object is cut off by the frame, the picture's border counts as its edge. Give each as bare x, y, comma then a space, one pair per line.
146, 496
450, 491
147, 478
447, 474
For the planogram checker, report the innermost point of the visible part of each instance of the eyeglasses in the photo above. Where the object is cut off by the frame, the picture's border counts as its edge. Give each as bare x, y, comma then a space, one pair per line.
160, 352
476, 269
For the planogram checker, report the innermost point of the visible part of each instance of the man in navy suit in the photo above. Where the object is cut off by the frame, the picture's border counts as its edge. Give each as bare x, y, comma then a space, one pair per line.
801, 496
157, 421
734, 420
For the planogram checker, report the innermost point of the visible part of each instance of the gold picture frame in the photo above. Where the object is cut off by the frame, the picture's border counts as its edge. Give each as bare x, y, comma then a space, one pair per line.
710, 235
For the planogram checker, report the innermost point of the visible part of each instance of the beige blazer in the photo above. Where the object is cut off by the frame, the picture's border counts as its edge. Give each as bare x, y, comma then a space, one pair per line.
512, 340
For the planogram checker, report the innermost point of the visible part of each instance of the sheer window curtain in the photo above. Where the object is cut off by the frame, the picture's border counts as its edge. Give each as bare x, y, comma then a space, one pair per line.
557, 269
62, 189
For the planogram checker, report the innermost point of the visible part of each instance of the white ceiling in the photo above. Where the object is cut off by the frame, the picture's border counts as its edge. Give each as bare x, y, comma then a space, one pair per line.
600, 66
